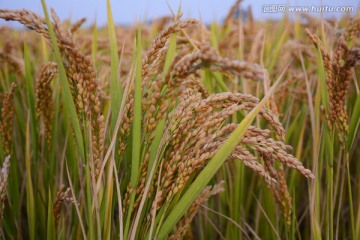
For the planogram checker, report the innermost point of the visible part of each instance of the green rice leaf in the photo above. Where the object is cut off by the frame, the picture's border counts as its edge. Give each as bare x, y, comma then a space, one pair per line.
136, 130
30, 98
354, 124
51, 234
115, 86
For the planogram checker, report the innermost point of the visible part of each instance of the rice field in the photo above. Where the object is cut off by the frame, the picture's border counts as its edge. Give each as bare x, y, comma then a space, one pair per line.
177, 129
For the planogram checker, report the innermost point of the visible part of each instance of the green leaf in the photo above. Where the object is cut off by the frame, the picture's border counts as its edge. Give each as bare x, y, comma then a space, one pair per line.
30, 98
354, 124
108, 200
276, 52
115, 86
51, 232
136, 130
137, 116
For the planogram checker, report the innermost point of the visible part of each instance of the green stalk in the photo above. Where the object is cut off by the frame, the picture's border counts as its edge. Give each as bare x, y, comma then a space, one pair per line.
88, 198
136, 132
30, 203
108, 200
51, 232
329, 155
352, 218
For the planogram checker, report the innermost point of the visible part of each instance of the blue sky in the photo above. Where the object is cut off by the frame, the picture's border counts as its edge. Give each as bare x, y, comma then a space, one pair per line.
127, 11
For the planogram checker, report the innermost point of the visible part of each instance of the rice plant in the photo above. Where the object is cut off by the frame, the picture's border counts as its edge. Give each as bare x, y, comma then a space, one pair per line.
174, 129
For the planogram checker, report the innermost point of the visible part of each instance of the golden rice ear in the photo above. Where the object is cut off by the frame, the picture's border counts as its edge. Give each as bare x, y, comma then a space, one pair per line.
196, 134
62, 196
207, 57
77, 25
352, 30
28, 18
80, 72
4, 176
44, 103
229, 17
7, 56
156, 53
85, 89
338, 77
7, 116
